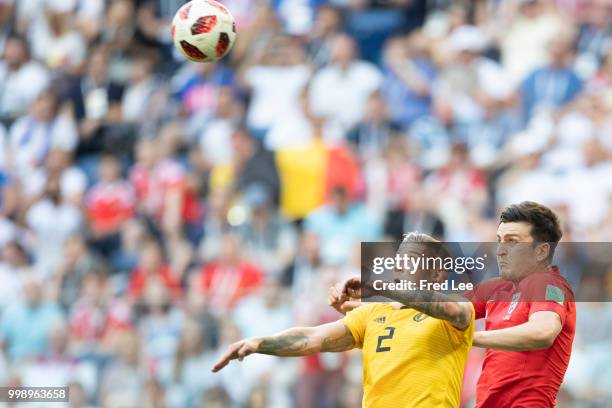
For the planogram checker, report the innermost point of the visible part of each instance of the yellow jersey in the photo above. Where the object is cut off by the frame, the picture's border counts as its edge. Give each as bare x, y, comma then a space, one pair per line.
410, 360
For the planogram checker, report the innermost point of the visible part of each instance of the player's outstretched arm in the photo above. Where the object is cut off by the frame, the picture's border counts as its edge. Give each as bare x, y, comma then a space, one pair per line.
539, 332
294, 342
457, 311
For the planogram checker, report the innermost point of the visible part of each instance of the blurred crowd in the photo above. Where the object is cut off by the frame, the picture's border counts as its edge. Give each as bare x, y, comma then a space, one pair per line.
152, 211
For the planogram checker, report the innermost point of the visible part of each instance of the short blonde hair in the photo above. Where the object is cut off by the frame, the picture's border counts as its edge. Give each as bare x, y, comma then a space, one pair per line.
411, 238
416, 236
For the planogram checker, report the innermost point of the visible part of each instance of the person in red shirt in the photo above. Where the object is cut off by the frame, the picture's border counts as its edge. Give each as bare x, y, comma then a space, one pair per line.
164, 190
229, 278
152, 266
529, 312
111, 201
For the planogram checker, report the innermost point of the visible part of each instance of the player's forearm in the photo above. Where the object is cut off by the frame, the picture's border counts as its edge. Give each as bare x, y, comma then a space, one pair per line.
303, 341
294, 342
435, 304
526, 336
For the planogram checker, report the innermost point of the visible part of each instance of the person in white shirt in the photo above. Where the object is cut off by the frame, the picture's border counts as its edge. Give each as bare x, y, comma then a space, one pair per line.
299, 126
51, 220
276, 82
33, 136
215, 136
339, 92
54, 40
21, 79
523, 44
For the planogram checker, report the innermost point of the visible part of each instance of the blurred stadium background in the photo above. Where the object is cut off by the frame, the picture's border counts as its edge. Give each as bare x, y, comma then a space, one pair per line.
153, 211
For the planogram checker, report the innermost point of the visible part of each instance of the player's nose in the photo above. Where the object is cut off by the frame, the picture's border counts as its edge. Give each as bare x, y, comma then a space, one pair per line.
502, 249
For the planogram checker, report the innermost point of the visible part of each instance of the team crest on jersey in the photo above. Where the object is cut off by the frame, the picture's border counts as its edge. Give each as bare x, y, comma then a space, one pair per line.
380, 319
419, 317
513, 305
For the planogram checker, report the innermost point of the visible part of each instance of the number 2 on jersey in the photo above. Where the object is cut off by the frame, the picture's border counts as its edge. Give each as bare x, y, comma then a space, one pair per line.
388, 336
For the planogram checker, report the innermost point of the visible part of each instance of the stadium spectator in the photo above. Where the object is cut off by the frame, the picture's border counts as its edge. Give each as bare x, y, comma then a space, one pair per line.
327, 24
283, 59
33, 136
14, 266
553, 85
266, 237
152, 269
227, 279
469, 81
214, 134
94, 315
299, 127
254, 166
265, 307
26, 325
594, 38
184, 373
56, 366
77, 261
123, 377
109, 204
197, 86
53, 220
375, 130
531, 26
340, 225
339, 91
160, 325
56, 42
408, 77
96, 100
22, 78
73, 180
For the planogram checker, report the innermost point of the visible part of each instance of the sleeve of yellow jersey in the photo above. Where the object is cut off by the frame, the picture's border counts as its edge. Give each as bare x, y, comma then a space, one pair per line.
356, 320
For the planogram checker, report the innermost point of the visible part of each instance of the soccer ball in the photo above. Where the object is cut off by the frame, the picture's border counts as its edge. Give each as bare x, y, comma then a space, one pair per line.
203, 30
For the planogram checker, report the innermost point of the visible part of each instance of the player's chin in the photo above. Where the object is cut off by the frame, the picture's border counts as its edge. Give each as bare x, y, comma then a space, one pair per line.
505, 274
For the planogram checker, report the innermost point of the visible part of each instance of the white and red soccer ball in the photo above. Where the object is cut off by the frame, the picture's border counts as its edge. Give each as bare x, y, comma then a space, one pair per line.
203, 30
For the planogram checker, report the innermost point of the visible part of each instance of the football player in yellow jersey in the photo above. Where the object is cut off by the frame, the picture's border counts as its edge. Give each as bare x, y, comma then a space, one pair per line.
413, 355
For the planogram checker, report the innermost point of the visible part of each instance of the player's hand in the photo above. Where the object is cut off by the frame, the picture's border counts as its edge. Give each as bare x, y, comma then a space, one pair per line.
237, 351
356, 289
352, 287
339, 301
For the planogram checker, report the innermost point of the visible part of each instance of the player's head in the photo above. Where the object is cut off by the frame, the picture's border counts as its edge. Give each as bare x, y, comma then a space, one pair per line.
528, 234
418, 245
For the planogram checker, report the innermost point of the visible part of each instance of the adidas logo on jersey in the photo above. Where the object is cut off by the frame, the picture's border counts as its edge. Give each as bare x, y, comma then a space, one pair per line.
380, 319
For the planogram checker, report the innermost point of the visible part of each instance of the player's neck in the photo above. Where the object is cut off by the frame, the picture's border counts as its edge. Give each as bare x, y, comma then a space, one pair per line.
543, 268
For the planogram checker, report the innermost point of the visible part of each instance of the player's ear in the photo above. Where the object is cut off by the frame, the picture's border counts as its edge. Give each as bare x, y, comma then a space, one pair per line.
542, 251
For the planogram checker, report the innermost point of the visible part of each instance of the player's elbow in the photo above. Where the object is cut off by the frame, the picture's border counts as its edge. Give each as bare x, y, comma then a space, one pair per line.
460, 314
